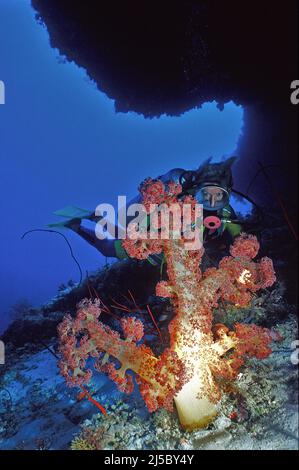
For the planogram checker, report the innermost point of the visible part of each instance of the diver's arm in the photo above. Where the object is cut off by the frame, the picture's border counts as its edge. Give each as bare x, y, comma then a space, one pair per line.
172, 175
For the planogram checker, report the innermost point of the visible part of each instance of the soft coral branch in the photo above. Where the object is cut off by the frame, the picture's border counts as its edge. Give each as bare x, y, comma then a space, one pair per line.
98, 339
186, 372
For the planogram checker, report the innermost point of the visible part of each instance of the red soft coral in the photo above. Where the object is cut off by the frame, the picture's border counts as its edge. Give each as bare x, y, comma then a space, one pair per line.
164, 289
132, 328
195, 353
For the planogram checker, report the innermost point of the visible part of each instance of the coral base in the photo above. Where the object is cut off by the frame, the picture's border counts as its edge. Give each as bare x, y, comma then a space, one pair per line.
194, 413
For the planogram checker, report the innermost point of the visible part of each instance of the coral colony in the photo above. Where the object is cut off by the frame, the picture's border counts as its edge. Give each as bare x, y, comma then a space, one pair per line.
201, 355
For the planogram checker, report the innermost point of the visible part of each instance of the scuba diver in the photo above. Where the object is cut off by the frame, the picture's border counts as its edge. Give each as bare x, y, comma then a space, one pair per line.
211, 184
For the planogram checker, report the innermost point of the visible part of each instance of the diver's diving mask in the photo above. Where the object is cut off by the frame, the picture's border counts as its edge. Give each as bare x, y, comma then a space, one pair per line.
212, 197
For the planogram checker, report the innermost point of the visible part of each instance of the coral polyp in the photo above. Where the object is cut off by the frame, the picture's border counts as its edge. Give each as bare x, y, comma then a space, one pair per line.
200, 354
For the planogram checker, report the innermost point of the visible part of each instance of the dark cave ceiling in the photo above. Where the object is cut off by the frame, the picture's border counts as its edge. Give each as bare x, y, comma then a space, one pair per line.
157, 57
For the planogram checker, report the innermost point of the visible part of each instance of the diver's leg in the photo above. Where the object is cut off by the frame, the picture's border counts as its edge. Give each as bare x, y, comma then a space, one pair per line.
106, 246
